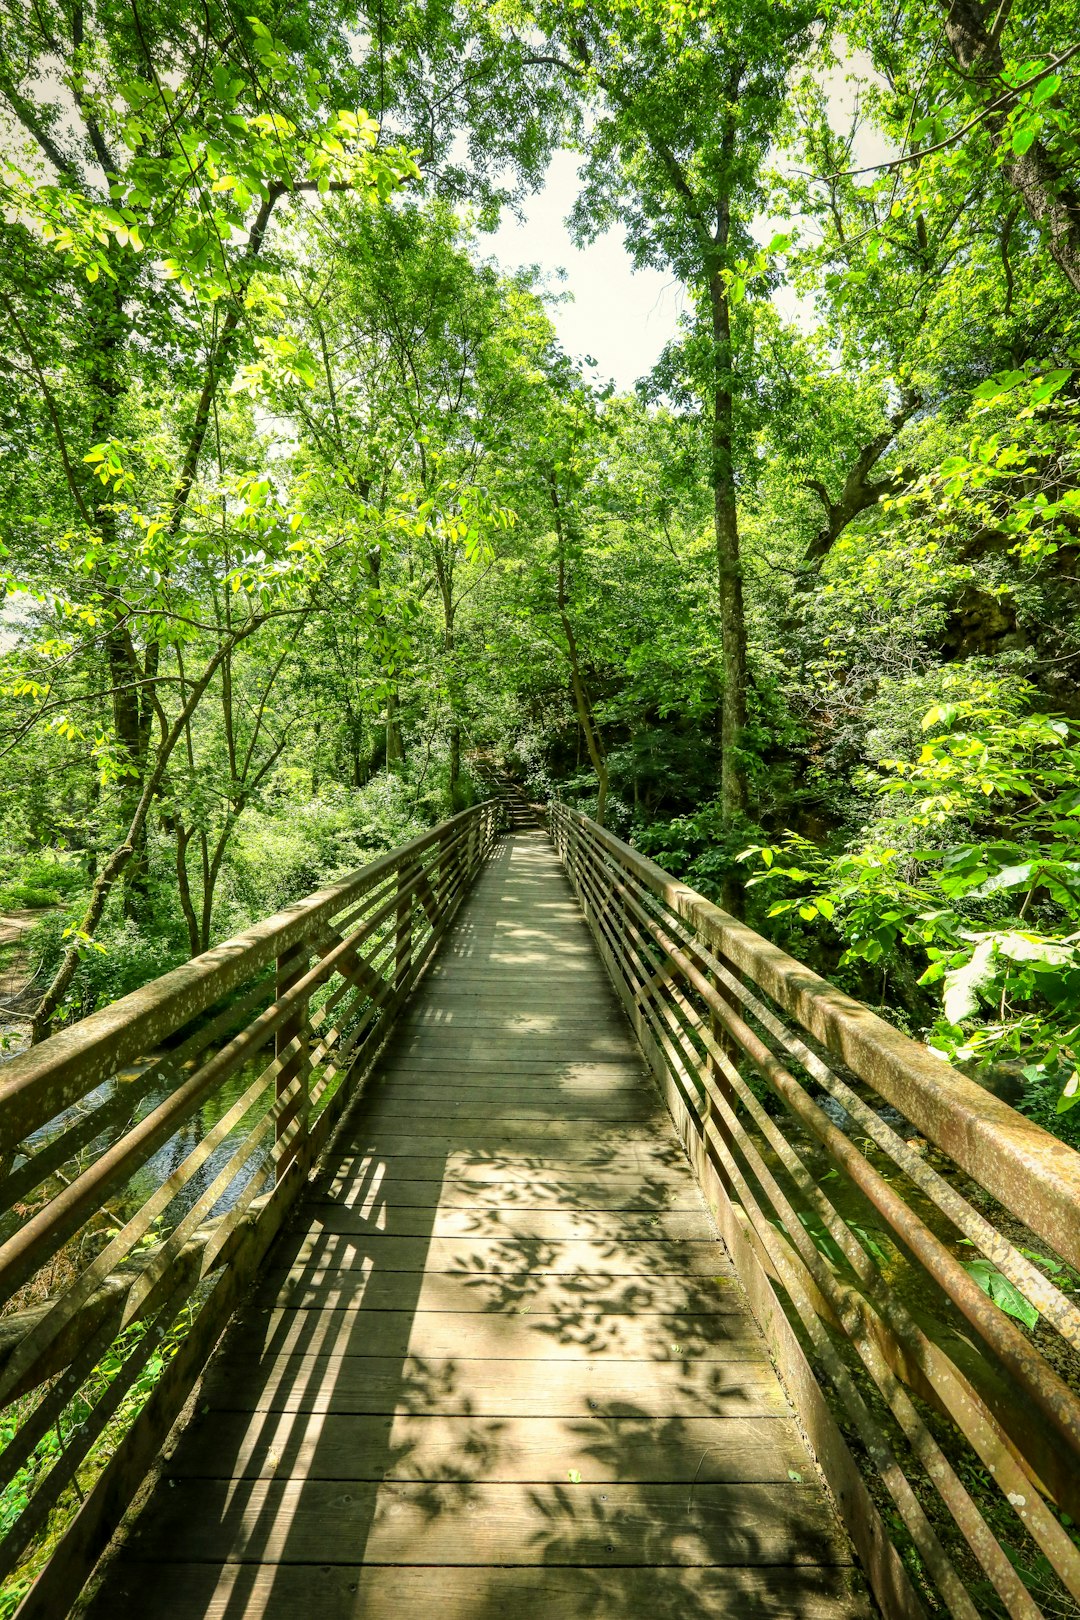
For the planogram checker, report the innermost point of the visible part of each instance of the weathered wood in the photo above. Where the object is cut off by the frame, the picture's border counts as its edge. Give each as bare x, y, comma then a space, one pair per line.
553, 1292
335, 1591
406, 1446
325, 1251
316, 1521
441, 1113
409, 1187
553, 1225
560, 1145
742, 1386
500, 1365
654, 1336
436, 1069
358, 1168
467, 1046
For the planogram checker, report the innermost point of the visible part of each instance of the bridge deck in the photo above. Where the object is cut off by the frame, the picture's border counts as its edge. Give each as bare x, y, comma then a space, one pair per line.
499, 1366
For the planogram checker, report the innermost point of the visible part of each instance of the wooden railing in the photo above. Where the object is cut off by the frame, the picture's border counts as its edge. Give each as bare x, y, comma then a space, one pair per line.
148, 1156
870, 1194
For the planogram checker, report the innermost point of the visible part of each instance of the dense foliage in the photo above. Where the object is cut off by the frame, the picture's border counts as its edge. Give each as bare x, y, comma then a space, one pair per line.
306, 520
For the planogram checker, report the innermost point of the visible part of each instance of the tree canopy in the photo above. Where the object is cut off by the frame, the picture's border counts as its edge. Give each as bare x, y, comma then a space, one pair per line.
308, 523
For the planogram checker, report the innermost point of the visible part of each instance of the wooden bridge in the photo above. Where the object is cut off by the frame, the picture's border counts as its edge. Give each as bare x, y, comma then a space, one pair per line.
529, 1306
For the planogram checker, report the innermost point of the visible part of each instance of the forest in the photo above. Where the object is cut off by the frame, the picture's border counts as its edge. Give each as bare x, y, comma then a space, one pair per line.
310, 526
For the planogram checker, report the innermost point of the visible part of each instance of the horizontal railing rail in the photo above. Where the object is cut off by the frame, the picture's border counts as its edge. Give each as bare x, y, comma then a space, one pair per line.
881, 1208
148, 1156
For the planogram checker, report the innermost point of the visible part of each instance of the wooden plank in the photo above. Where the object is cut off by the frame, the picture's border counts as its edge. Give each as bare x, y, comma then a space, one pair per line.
744, 1386
400, 1189
316, 1521
552, 1225
353, 1176
479, 1016
508, 1069
571, 986
663, 1338
446, 1113
407, 1446
560, 1139
542, 1144
541, 1085
334, 1591
333, 1288
635, 1257
501, 1096
494, 1047
580, 979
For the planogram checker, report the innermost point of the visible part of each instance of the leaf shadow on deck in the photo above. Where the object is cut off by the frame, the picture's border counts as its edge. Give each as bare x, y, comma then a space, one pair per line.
496, 1423
325, 1445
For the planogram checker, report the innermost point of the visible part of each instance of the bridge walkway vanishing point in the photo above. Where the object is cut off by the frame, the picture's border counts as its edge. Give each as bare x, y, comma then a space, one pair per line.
499, 1365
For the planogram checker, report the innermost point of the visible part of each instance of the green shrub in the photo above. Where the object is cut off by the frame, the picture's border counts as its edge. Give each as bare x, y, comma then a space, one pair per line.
966, 872
20, 896
33, 881
286, 851
122, 958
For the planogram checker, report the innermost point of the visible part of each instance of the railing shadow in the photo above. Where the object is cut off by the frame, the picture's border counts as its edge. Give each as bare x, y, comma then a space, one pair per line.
438, 1403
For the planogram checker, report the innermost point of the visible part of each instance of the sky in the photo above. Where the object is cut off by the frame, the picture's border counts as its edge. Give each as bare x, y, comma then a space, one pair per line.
621, 317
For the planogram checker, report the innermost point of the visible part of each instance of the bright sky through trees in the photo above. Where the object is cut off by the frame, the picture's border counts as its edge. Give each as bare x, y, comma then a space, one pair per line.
619, 316
302, 512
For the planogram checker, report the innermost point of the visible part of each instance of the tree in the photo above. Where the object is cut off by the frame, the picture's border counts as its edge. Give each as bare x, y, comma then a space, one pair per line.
406, 365
153, 183
986, 97
682, 108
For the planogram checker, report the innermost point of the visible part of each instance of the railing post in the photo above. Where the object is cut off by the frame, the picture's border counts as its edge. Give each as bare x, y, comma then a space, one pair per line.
444, 881
723, 1085
403, 928
576, 863
470, 848
291, 966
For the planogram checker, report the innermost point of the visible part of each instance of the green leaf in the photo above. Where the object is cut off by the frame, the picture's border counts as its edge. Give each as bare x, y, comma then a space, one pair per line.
1045, 89
962, 984
1024, 138
1033, 948
1010, 877
1070, 1095
1003, 1293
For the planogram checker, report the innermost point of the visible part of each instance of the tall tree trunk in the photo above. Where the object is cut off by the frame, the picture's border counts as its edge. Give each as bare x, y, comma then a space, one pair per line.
455, 766
107, 322
127, 724
395, 742
728, 562
582, 705
445, 577
183, 886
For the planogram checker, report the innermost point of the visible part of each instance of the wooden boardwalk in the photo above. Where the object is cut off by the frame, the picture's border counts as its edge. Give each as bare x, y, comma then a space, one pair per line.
499, 1367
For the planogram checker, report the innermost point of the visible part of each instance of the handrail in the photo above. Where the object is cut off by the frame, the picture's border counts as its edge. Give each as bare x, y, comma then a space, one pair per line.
148, 1156
856, 1245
